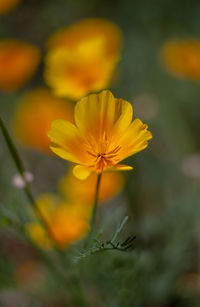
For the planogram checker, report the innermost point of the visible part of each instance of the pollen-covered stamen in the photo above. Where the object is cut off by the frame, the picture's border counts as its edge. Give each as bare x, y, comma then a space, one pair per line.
105, 160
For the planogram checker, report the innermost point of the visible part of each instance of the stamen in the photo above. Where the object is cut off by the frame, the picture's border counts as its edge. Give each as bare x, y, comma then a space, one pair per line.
102, 157
93, 155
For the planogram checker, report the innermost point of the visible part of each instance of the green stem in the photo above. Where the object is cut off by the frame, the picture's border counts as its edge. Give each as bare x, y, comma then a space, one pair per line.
12, 149
20, 167
94, 211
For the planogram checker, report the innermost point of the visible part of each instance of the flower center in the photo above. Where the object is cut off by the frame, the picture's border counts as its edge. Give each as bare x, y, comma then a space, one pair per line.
103, 160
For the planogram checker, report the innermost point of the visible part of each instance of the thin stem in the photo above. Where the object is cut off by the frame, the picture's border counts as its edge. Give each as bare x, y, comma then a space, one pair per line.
119, 229
12, 149
94, 211
20, 167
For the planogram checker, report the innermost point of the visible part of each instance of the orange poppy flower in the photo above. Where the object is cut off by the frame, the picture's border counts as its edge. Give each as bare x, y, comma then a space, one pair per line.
34, 115
182, 58
103, 135
18, 62
76, 189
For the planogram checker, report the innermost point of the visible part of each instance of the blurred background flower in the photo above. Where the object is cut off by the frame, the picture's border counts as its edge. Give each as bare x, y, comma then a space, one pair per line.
88, 30
18, 61
82, 57
66, 222
182, 57
75, 189
7, 5
33, 116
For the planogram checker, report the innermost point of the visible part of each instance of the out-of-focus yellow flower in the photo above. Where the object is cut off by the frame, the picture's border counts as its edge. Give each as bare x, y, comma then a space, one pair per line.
38, 234
18, 61
7, 5
82, 57
67, 222
87, 30
83, 191
182, 57
74, 73
36, 110
103, 135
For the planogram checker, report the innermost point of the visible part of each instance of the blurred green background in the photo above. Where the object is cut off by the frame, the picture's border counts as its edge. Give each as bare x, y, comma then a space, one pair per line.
161, 195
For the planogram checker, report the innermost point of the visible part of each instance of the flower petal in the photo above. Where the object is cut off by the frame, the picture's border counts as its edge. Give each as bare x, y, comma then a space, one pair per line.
94, 111
125, 110
81, 172
66, 141
134, 139
100, 113
123, 167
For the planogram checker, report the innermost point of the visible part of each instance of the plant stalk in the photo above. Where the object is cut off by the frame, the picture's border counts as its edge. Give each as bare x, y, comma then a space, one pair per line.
20, 167
94, 210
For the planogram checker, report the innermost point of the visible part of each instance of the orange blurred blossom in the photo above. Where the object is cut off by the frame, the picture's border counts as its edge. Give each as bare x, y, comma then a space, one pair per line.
7, 5
34, 114
67, 222
182, 57
87, 30
84, 191
102, 136
18, 61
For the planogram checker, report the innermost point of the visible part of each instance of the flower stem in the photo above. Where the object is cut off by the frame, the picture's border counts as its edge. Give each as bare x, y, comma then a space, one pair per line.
94, 211
12, 149
19, 165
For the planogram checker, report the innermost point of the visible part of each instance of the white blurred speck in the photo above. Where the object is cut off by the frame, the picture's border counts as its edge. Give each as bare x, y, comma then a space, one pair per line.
191, 166
145, 106
19, 182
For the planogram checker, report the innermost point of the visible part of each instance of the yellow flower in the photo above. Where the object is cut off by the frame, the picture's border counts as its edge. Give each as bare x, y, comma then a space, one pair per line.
7, 5
67, 222
18, 62
182, 57
34, 114
76, 189
82, 58
87, 30
103, 135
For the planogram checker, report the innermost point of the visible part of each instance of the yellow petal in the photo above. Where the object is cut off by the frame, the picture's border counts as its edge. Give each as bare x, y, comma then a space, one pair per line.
126, 111
81, 172
65, 138
134, 139
101, 113
94, 111
123, 167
